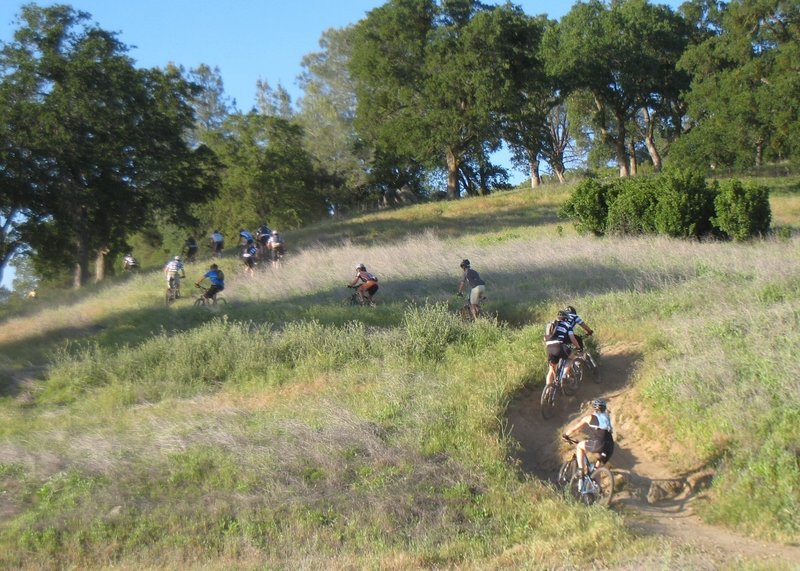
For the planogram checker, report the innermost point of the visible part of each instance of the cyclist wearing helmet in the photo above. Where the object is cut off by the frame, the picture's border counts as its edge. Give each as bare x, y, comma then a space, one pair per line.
190, 248
601, 439
477, 285
369, 284
129, 262
275, 245
246, 237
174, 272
249, 253
557, 335
574, 319
217, 243
217, 279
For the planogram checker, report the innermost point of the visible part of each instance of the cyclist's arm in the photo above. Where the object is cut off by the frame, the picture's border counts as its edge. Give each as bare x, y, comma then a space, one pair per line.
586, 328
578, 425
573, 339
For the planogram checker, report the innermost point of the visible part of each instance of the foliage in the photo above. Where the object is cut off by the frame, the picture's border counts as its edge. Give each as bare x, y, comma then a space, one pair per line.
588, 205
267, 176
103, 140
685, 204
675, 203
742, 209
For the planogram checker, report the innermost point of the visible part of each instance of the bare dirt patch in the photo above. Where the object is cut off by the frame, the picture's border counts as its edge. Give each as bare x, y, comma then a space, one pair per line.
654, 497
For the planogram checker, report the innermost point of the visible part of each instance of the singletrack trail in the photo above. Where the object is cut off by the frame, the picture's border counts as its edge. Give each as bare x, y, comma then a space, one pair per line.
653, 498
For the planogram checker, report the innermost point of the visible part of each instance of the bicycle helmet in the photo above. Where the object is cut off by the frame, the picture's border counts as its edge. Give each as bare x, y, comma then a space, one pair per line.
274, 232
465, 263
599, 404
570, 309
177, 258
361, 267
562, 315
213, 267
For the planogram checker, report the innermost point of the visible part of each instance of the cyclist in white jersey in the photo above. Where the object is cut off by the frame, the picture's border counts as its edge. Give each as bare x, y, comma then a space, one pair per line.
174, 271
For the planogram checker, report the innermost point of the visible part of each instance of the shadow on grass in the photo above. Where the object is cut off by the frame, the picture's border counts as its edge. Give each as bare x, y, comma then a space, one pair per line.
515, 297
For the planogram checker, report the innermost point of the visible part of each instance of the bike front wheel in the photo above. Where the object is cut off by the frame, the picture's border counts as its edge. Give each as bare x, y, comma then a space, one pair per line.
596, 489
567, 470
548, 401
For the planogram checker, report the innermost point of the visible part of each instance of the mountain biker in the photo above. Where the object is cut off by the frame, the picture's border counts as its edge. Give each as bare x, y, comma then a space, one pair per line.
369, 284
217, 279
601, 438
555, 341
262, 237
174, 272
246, 236
249, 256
217, 243
574, 319
276, 244
473, 279
190, 248
129, 262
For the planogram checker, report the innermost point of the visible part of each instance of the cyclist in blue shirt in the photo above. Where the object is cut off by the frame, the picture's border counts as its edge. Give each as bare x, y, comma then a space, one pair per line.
217, 279
246, 236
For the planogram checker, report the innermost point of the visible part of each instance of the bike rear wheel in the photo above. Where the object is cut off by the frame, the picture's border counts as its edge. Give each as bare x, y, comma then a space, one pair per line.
571, 381
169, 296
548, 401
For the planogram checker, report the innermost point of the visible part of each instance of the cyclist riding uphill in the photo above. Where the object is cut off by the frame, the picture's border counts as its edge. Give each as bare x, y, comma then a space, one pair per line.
574, 319
174, 272
276, 244
246, 237
369, 284
217, 279
556, 335
601, 439
473, 279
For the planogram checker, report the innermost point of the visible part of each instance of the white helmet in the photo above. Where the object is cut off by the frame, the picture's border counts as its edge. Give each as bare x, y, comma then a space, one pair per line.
177, 258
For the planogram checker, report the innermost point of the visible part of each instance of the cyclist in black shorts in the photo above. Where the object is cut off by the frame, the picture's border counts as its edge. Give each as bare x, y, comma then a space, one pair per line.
601, 439
557, 335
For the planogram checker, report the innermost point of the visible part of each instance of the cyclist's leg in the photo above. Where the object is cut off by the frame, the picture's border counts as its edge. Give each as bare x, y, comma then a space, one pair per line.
582, 459
553, 355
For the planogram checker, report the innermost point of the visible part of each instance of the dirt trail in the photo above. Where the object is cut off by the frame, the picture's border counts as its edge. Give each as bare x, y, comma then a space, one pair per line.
654, 498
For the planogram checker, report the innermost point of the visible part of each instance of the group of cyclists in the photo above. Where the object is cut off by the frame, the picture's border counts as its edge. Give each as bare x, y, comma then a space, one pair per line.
562, 343
559, 335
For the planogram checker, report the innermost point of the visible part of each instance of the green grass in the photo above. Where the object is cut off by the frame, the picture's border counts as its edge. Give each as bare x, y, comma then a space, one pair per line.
292, 430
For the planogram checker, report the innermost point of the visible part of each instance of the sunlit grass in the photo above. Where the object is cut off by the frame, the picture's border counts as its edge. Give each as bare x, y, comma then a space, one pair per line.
291, 430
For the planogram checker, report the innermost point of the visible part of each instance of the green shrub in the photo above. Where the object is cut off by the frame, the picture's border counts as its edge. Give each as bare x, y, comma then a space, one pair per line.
634, 208
685, 204
588, 207
742, 210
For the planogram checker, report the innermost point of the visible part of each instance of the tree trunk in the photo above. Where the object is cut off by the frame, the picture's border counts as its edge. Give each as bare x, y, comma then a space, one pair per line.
650, 139
452, 174
100, 265
619, 145
81, 273
536, 179
634, 163
559, 170
759, 153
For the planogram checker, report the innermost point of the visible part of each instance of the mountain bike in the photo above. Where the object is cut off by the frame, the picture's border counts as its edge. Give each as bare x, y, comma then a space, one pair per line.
203, 301
584, 360
464, 311
596, 487
354, 299
567, 381
276, 257
172, 293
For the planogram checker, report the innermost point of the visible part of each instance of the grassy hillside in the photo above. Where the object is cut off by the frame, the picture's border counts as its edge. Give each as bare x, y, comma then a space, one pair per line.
291, 430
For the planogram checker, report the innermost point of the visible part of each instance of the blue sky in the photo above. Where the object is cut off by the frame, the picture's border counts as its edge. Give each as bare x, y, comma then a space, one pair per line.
247, 40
